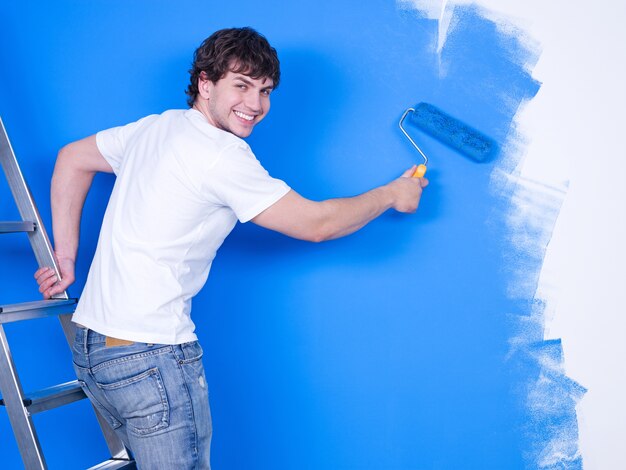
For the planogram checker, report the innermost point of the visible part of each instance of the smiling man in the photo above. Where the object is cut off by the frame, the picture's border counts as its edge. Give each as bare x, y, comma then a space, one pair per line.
183, 179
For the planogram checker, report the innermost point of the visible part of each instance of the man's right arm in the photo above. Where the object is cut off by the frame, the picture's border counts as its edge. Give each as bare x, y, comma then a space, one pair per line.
76, 165
302, 218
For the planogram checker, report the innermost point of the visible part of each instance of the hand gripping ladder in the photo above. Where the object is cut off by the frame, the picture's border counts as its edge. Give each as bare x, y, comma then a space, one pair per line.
21, 407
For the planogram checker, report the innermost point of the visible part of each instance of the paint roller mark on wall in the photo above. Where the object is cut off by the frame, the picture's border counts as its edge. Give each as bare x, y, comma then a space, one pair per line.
485, 78
487, 73
551, 427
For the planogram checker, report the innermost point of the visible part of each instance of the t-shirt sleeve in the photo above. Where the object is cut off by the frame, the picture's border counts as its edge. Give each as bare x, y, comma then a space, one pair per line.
112, 142
239, 181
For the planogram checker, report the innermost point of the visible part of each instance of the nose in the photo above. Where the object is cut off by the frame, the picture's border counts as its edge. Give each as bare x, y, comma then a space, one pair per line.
253, 101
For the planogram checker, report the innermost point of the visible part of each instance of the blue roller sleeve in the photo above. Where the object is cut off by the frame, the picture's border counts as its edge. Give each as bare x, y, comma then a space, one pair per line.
453, 133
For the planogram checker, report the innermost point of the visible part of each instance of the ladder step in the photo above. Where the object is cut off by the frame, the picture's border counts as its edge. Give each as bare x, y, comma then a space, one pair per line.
115, 464
52, 397
20, 226
38, 309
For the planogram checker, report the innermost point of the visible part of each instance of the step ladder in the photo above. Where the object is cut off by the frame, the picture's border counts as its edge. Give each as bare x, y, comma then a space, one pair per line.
20, 407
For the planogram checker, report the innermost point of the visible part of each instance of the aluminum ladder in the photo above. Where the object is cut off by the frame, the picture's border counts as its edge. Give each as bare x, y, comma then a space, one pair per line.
21, 407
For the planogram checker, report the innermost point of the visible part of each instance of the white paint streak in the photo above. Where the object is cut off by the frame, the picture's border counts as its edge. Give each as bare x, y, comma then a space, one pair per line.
439, 10
534, 207
429, 9
445, 17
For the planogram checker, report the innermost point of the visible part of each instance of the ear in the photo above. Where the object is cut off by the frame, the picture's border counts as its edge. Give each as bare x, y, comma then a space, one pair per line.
204, 86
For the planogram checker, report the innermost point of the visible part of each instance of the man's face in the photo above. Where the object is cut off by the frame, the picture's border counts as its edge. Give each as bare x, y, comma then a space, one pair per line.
236, 102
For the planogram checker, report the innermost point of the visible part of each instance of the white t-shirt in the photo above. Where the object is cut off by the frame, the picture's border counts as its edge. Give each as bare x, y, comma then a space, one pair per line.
181, 186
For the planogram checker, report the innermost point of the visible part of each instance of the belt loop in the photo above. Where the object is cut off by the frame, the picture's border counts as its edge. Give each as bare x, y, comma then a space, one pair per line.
178, 352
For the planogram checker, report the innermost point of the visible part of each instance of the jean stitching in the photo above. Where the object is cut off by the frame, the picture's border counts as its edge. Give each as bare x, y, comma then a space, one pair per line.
190, 361
78, 366
132, 357
190, 413
131, 380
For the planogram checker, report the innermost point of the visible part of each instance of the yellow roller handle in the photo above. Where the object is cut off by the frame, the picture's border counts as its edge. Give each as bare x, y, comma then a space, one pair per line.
420, 172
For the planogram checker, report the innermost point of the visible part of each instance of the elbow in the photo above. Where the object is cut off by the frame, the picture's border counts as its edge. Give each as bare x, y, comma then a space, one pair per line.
71, 163
310, 234
61, 164
324, 226
66, 158
317, 238
308, 221
322, 233
63, 170
69, 151
63, 154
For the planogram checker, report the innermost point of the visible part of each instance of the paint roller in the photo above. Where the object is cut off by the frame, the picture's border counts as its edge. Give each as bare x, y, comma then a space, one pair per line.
450, 131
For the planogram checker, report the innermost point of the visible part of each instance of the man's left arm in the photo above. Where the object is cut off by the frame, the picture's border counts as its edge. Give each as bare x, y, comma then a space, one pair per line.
76, 165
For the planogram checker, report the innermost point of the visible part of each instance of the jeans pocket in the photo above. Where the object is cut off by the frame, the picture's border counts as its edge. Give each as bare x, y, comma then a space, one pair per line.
191, 352
141, 400
190, 360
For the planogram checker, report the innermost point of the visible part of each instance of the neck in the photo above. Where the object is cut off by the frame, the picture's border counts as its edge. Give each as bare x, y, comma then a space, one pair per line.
202, 107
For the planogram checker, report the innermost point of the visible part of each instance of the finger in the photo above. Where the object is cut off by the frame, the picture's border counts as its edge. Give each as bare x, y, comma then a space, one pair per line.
61, 286
41, 271
424, 182
45, 285
408, 173
53, 291
45, 276
57, 289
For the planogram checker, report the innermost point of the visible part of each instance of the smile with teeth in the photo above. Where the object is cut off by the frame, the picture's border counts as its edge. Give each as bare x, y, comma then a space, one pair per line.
247, 117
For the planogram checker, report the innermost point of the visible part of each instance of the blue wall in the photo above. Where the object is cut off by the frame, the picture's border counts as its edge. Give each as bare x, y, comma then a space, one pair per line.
384, 350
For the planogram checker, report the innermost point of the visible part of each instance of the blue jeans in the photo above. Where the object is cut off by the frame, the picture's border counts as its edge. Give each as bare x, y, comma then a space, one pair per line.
154, 396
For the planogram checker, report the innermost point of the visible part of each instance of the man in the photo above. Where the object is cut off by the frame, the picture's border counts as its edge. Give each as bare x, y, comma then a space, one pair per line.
183, 180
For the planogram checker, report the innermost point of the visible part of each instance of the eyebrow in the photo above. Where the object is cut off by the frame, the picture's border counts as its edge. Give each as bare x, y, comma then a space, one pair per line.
244, 79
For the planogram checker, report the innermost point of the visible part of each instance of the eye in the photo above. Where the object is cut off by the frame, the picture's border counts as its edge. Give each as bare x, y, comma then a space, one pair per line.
266, 92
241, 86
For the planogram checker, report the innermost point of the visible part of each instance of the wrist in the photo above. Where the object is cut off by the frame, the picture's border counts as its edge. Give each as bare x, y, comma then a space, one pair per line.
65, 256
386, 196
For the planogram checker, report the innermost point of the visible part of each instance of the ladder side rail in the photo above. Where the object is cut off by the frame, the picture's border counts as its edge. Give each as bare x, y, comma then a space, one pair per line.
45, 257
115, 445
26, 205
19, 416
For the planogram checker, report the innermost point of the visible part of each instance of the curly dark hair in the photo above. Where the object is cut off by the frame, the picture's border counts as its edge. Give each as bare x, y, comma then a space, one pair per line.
240, 50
